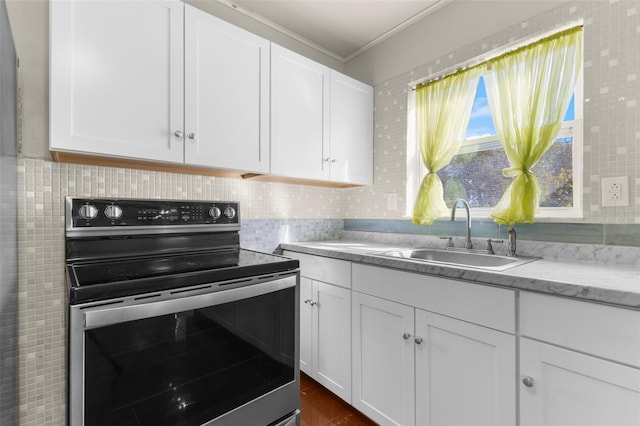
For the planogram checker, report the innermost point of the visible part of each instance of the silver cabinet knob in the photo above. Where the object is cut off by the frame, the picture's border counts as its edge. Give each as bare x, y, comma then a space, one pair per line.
418, 340
178, 134
192, 136
333, 160
326, 160
307, 300
528, 381
313, 303
406, 336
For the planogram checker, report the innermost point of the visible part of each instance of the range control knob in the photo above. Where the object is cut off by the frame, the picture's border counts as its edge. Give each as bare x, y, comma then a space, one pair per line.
229, 212
113, 212
87, 212
214, 212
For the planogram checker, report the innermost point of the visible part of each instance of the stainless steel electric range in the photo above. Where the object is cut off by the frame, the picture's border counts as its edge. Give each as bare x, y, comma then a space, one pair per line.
170, 322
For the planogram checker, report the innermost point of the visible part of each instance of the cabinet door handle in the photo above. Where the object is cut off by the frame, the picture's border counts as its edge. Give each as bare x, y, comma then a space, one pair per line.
333, 160
307, 300
406, 336
192, 136
313, 303
178, 134
418, 340
326, 160
528, 381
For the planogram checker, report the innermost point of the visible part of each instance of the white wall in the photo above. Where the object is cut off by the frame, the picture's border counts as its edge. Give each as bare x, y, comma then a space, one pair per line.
451, 27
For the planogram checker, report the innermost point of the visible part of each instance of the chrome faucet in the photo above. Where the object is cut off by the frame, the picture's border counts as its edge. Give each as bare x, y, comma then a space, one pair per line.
511, 247
468, 244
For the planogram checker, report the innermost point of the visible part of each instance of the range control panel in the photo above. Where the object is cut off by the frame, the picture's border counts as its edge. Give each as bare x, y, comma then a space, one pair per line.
101, 213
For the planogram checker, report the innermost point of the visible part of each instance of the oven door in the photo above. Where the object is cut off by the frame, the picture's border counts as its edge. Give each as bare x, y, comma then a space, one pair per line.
189, 357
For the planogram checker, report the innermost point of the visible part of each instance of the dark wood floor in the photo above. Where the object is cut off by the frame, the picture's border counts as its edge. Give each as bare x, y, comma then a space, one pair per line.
319, 407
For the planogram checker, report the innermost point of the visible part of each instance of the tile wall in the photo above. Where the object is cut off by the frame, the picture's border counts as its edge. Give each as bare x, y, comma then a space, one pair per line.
611, 109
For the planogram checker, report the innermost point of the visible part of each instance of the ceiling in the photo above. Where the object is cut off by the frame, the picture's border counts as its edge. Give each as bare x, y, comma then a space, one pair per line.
339, 28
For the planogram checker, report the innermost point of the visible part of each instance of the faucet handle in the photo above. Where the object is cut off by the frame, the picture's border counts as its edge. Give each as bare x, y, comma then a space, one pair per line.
489, 247
449, 242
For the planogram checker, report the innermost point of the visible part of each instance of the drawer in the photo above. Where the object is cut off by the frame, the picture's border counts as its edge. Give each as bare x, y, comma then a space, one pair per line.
479, 304
326, 269
600, 330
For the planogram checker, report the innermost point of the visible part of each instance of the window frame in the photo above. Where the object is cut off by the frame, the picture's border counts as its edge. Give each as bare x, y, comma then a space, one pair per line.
416, 169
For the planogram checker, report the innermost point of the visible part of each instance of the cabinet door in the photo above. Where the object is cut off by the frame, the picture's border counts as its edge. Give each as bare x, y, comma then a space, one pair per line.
465, 373
571, 388
306, 315
226, 95
383, 360
332, 338
116, 82
299, 124
351, 141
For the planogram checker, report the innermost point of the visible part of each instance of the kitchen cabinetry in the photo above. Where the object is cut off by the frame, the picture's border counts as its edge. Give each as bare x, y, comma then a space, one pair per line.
226, 95
117, 89
457, 363
383, 359
199, 98
325, 318
321, 122
583, 366
351, 134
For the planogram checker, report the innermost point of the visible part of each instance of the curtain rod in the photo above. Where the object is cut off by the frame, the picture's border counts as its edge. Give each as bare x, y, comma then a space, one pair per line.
485, 57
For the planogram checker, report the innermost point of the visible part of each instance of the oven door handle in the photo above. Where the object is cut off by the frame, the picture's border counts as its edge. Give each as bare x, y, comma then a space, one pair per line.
104, 316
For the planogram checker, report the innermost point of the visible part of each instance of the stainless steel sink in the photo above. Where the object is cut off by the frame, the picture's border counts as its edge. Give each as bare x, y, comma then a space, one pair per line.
458, 258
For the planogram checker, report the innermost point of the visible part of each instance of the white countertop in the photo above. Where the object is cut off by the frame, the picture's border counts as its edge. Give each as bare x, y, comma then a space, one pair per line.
617, 284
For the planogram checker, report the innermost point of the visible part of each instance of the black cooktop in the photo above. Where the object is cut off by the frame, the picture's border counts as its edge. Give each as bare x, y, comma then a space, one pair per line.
90, 281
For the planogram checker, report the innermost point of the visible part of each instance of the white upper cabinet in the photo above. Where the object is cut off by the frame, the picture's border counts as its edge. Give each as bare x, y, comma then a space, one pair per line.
321, 122
168, 83
351, 139
226, 95
115, 89
299, 121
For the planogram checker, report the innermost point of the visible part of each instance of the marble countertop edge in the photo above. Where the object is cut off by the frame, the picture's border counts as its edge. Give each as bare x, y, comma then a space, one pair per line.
617, 285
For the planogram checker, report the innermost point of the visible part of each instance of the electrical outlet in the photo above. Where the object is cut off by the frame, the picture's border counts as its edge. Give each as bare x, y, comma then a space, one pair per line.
615, 191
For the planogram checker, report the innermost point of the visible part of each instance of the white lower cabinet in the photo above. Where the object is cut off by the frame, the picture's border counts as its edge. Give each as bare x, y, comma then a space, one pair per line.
579, 363
325, 335
325, 321
465, 373
561, 387
411, 366
383, 359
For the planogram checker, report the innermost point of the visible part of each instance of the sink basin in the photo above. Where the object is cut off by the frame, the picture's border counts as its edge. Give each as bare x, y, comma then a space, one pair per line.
458, 258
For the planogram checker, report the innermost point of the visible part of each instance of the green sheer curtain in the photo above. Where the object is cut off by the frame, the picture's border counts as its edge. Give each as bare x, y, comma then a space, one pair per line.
443, 108
529, 91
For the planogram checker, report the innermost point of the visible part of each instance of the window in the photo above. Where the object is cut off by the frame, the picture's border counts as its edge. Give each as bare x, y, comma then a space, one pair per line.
467, 176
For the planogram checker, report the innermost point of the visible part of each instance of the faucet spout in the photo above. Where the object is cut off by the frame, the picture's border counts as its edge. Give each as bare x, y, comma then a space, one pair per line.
464, 202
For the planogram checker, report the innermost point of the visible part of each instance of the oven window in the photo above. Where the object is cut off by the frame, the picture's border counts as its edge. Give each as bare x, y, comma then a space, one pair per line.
189, 367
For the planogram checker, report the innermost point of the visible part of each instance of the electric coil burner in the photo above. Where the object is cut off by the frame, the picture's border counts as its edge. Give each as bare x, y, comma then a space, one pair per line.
172, 323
